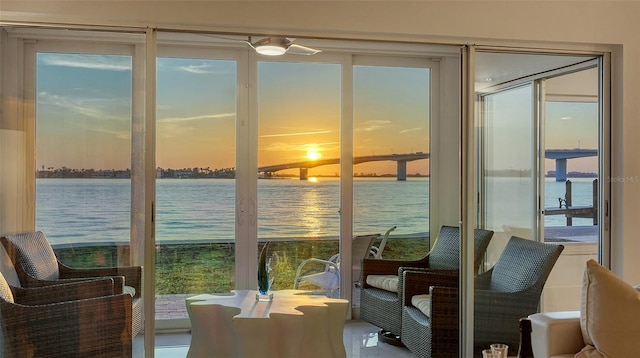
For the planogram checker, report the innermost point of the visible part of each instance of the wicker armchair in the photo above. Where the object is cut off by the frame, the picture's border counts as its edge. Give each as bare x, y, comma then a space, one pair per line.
381, 305
36, 266
504, 294
50, 322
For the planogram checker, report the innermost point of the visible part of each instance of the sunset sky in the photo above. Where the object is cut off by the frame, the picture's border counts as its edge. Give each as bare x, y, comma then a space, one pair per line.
84, 110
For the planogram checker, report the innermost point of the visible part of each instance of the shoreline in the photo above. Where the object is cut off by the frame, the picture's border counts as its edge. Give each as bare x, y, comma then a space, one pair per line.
64, 245
582, 233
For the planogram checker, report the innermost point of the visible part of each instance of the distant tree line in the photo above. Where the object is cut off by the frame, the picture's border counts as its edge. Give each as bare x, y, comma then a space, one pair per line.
161, 173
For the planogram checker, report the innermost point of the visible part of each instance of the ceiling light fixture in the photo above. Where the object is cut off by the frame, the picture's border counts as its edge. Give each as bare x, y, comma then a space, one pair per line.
272, 46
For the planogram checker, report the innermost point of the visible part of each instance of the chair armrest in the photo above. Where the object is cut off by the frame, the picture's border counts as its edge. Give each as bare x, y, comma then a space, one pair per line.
132, 274
31, 282
421, 282
63, 292
444, 320
84, 328
556, 333
388, 267
444, 308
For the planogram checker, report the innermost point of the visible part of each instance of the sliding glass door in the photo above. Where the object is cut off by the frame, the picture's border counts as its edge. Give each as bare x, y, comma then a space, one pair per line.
83, 104
299, 114
392, 106
83, 188
187, 152
539, 165
195, 178
575, 186
508, 178
539, 156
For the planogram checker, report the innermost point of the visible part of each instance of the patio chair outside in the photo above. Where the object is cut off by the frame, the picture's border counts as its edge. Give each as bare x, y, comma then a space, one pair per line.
327, 280
376, 251
37, 265
504, 294
42, 322
380, 297
325, 274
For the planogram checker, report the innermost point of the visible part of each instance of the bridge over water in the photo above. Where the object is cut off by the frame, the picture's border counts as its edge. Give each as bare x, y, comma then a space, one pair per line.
560, 156
304, 166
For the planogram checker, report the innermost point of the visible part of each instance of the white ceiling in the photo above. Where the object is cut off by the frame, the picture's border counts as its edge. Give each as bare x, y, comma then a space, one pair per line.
496, 68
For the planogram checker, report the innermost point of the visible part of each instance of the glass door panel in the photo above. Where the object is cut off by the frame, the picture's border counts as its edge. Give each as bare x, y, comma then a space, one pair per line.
299, 106
83, 155
81, 107
195, 180
571, 182
507, 178
391, 107
539, 166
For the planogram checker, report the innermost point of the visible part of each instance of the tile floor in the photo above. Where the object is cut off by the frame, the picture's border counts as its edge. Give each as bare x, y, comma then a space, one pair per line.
360, 340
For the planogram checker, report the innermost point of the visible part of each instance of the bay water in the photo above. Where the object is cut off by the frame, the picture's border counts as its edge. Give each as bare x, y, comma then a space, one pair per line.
98, 210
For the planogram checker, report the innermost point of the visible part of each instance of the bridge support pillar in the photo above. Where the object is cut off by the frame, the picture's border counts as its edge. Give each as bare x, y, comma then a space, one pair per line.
304, 173
561, 169
402, 170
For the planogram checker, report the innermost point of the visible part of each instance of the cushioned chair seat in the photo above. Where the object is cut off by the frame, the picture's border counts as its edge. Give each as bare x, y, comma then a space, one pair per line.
131, 291
384, 282
422, 303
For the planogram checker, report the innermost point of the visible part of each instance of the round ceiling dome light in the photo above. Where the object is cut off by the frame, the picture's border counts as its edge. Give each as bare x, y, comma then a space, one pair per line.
272, 46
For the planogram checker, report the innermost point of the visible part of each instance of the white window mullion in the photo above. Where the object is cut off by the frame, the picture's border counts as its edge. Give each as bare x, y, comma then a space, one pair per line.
246, 179
149, 191
346, 178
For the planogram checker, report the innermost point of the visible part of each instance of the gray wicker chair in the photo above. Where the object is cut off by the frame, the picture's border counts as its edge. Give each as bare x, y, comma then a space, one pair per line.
382, 307
50, 322
36, 266
504, 294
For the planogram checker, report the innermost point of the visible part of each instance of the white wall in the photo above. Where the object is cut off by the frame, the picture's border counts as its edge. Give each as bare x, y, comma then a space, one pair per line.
609, 25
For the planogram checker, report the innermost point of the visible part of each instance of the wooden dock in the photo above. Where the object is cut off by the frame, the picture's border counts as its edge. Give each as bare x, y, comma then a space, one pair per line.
569, 211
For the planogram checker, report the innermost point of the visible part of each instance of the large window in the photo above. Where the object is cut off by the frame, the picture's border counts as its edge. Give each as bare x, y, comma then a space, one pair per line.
195, 185
298, 193
83, 189
391, 146
246, 149
299, 114
391, 155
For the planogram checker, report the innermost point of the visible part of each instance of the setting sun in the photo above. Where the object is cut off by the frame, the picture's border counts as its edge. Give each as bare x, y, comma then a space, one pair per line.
313, 154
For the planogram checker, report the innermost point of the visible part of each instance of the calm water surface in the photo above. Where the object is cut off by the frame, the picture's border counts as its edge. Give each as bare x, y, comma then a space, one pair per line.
98, 210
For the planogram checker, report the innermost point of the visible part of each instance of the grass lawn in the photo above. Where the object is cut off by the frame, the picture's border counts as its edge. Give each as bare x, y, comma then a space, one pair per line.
208, 267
